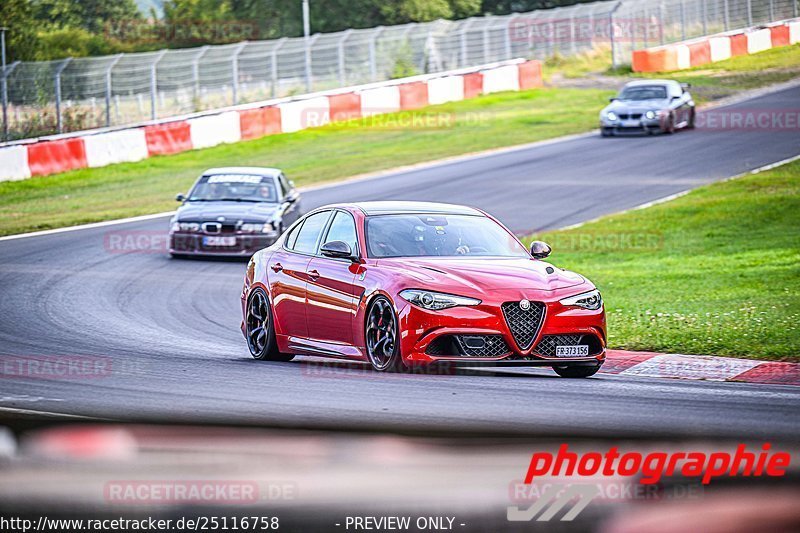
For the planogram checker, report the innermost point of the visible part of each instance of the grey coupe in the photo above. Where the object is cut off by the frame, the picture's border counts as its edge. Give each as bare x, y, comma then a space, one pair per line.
649, 106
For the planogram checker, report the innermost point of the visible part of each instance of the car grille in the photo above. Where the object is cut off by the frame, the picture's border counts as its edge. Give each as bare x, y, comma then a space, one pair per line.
547, 345
524, 323
626, 116
468, 346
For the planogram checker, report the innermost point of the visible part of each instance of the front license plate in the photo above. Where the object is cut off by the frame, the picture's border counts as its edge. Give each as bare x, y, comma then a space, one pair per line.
219, 241
579, 350
631, 123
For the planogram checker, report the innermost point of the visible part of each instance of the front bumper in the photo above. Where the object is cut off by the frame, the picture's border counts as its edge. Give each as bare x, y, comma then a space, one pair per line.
640, 125
246, 244
424, 330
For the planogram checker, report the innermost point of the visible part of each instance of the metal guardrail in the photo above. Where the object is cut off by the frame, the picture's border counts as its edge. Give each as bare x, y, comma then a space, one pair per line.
48, 97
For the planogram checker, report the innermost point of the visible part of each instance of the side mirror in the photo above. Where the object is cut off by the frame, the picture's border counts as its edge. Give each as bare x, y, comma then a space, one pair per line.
180, 198
337, 249
612, 99
540, 249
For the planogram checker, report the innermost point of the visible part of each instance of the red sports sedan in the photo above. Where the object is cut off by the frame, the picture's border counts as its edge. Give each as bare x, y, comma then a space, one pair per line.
403, 284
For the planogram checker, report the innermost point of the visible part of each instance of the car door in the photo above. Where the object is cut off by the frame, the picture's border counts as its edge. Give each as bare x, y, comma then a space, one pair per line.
332, 294
288, 274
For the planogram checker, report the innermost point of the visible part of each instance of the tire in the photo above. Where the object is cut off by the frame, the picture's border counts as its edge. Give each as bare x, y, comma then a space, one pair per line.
381, 336
605, 132
260, 329
669, 126
690, 124
576, 371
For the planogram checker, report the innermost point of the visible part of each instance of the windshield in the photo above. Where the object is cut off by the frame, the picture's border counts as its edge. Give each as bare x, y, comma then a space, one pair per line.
439, 235
644, 92
236, 187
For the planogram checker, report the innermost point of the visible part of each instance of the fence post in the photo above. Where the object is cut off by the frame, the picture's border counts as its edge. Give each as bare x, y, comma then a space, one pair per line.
196, 77
683, 20
771, 10
8, 70
661, 18
611, 36
274, 65
57, 81
108, 87
486, 46
463, 42
342, 69
705, 16
235, 71
373, 53
727, 21
509, 50
572, 34
154, 84
749, 13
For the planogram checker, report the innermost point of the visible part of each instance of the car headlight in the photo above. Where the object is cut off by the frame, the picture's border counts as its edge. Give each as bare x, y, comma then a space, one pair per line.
436, 300
650, 115
185, 226
611, 115
251, 228
588, 300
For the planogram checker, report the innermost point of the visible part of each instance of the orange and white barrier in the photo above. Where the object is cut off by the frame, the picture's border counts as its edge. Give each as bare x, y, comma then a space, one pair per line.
380, 100
501, 79
14, 163
718, 47
96, 148
124, 146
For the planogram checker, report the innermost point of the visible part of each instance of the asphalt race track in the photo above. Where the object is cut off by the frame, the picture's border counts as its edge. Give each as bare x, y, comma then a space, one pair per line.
169, 328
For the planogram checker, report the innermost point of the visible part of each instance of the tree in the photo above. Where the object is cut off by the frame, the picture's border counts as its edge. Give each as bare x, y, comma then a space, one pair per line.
21, 41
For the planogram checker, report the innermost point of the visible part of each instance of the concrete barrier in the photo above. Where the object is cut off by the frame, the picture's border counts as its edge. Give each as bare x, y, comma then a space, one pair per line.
302, 114
212, 130
501, 79
101, 147
718, 47
14, 163
124, 146
380, 100
445, 89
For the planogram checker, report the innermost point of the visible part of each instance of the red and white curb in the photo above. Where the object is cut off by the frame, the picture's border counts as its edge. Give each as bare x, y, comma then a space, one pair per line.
704, 367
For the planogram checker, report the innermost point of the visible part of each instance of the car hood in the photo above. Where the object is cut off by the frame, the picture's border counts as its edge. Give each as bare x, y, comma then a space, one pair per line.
231, 211
484, 274
627, 106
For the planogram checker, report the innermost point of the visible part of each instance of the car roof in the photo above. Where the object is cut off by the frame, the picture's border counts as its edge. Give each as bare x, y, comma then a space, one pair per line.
257, 171
400, 207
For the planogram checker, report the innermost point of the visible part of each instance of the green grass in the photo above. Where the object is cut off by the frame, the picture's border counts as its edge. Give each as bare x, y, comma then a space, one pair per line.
714, 272
321, 154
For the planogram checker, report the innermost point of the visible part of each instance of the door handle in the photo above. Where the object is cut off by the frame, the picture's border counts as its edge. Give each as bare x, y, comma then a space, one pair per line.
277, 267
313, 274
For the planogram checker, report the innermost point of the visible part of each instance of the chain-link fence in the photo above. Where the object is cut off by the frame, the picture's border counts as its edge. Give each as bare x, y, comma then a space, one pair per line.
42, 98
